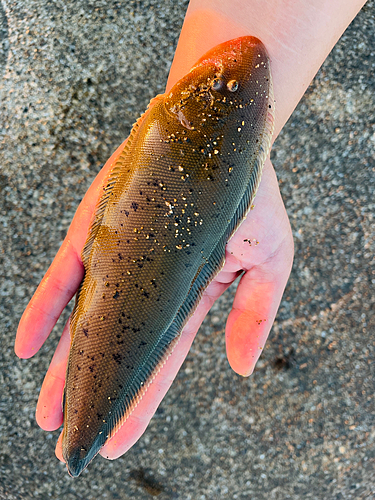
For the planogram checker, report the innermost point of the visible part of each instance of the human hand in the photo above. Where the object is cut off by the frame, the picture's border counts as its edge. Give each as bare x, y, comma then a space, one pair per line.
267, 264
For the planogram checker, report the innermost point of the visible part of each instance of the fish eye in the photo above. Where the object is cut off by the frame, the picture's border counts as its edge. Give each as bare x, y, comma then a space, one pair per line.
217, 83
232, 85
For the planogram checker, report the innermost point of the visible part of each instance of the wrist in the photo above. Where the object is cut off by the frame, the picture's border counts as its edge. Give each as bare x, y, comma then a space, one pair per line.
298, 36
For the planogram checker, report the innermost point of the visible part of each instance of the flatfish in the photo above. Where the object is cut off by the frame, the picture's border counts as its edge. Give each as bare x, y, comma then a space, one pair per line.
181, 186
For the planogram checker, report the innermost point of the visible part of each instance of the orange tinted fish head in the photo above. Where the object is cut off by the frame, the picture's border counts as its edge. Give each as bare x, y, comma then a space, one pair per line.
225, 82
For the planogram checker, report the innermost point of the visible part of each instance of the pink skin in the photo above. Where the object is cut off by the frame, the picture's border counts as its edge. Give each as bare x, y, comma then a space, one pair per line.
298, 34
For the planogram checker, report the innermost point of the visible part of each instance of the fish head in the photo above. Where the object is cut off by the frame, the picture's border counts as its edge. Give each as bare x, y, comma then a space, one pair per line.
223, 84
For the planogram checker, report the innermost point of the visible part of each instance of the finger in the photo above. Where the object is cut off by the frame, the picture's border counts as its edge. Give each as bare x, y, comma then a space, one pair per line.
58, 449
137, 422
254, 308
52, 295
64, 275
49, 413
139, 419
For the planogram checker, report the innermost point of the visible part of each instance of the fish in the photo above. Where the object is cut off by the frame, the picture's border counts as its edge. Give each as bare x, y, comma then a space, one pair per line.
181, 186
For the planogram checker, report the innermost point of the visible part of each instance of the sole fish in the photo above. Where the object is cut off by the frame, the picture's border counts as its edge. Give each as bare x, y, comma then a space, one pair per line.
181, 186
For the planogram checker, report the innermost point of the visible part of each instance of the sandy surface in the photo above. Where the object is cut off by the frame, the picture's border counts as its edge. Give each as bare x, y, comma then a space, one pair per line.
74, 76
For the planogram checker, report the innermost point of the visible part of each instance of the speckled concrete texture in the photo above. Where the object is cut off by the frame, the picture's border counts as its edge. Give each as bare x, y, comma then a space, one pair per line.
74, 76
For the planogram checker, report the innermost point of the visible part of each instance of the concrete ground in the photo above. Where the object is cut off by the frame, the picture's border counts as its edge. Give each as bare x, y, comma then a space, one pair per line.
74, 76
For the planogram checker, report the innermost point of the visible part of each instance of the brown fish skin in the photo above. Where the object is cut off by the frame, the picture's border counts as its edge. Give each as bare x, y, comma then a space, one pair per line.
181, 186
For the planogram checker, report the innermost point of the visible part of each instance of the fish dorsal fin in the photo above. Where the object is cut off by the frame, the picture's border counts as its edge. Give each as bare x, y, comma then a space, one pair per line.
155, 100
111, 181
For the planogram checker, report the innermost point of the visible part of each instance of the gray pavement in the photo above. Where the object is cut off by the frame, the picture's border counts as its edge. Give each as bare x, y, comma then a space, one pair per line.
74, 76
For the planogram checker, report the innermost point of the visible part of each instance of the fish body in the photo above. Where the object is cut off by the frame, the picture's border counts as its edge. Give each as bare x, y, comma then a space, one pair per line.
181, 186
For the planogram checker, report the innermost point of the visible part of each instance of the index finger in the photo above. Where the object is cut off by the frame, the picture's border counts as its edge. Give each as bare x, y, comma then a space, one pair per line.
64, 275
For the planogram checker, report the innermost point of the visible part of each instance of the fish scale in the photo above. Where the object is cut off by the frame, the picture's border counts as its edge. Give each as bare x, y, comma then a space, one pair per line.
183, 183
